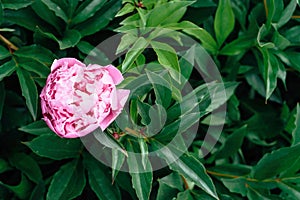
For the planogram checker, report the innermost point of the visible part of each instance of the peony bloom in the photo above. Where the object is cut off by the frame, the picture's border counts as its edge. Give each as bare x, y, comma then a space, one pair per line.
77, 99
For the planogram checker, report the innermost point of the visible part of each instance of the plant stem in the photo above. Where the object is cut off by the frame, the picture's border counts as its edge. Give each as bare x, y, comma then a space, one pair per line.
267, 11
8, 43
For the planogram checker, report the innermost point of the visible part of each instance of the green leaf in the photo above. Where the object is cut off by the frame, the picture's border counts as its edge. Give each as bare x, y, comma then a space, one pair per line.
292, 191
16, 4
70, 38
7, 69
236, 169
37, 128
161, 88
38, 192
262, 32
68, 182
133, 53
127, 8
240, 9
280, 160
126, 40
200, 98
144, 152
1, 19
173, 180
204, 4
168, 58
48, 15
2, 98
99, 179
271, 127
279, 41
269, 71
88, 11
37, 53
4, 166
238, 46
257, 83
232, 143
32, 65
296, 131
224, 21
186, 195
57, 9
4, 53
95, 55
165, 192
109, 141
188, 166
117, 162
236, 185
124, 181
207, 41
220, 94
158, 116
141, 177
233, 109
287, 14
271, 11
100, 19
59, 149
29, 91
166, 13
179, 126
200, 59
20, 17
22, 190
27, 165
294, 58
143, 111
292, 34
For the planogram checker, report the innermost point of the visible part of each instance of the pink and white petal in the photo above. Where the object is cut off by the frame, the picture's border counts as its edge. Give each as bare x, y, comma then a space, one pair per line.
65, 61
109, 119
122, 96
115, 74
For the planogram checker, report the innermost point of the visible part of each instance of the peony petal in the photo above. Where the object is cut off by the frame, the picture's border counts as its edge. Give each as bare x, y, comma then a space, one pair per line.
69, 61
122, 96
109, 119
115, 74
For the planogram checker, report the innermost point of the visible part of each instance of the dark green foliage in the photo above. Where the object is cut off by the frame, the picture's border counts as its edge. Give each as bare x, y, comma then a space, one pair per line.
255, 46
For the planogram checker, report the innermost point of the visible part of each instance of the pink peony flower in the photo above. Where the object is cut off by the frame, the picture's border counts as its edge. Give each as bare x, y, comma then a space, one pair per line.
77, 99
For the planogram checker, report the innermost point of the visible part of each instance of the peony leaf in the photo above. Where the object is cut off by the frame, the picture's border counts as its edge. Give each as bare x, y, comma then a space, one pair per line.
281, 159
100, 19
68, 182
224, 21
37, 128
87, 10
56, 8
186, 165
59, 149
99, 179
15, 4
141, 177
2, 98
27, 165
296, 131
29, 91
7, 69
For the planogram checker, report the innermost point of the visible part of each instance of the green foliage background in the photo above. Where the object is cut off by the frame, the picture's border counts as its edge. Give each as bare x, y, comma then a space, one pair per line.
255, 45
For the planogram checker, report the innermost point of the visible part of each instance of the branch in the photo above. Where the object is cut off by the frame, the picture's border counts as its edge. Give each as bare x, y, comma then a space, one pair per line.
8, 43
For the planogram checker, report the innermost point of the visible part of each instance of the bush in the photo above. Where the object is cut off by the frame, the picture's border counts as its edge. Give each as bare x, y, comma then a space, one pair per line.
213, 110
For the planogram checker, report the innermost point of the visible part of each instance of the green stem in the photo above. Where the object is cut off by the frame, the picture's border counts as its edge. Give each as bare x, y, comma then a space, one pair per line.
8, 43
